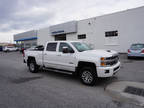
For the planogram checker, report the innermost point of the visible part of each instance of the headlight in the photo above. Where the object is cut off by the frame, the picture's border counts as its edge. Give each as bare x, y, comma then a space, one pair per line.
108, 61
102, 58
103, 62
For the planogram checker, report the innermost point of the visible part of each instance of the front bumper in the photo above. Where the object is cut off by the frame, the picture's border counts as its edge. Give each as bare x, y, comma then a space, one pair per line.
108, 71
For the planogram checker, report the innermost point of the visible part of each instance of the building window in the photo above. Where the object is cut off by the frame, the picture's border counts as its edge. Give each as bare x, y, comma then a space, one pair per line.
82, 36
51, 46
34, 44
27, 45
111, 33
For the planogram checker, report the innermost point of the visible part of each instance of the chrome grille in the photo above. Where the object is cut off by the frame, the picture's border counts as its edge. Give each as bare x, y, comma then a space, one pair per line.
112, 60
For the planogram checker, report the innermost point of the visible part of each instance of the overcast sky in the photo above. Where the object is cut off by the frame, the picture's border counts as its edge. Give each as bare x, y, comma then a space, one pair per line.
17, 16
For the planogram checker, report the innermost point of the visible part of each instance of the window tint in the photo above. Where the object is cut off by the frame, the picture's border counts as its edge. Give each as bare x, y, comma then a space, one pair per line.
51, 46
62, 44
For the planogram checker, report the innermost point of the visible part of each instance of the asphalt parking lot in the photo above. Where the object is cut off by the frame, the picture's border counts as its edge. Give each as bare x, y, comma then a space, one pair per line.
21, 89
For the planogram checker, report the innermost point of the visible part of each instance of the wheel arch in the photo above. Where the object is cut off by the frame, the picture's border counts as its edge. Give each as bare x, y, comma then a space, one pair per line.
83, 63
30, 58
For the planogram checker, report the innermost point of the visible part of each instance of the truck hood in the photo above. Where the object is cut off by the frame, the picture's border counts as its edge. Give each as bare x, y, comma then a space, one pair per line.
99, 53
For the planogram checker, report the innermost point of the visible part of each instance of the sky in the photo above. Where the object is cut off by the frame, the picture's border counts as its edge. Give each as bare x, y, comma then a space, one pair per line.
18, 16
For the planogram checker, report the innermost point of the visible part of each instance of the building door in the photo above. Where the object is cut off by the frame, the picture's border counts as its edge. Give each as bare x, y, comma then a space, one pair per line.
61, 37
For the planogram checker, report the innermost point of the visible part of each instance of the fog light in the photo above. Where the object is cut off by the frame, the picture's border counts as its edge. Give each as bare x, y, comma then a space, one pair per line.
106, 71
103, 64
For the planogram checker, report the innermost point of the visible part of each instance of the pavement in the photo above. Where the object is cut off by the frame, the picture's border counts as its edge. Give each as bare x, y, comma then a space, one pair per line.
21, 89
119, 91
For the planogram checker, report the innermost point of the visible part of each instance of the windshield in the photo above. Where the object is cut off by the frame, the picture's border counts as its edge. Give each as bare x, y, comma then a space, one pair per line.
81, 46
137, 46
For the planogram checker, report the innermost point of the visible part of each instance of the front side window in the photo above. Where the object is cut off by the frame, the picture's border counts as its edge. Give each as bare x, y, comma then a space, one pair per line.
63, 44
81, 46
51, 46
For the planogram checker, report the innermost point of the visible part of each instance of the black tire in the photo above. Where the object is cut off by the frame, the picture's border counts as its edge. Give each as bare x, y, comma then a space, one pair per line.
128, 57
88, 75
33, 67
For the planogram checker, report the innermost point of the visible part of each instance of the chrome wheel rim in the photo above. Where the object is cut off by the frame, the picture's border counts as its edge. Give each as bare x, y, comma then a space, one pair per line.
87, 77
31, 66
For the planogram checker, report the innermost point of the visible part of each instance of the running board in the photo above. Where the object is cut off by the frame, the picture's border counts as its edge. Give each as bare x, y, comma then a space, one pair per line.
59, 71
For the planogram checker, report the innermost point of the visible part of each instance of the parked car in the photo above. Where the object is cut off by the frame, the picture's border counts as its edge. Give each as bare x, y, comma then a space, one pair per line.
10, 48
75, 58
1, 48
136, 50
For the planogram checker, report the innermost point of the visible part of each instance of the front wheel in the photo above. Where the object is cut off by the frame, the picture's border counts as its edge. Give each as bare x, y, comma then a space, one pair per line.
33, 67
88, 75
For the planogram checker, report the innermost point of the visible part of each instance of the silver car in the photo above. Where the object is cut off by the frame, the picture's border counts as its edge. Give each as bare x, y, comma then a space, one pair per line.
136, 50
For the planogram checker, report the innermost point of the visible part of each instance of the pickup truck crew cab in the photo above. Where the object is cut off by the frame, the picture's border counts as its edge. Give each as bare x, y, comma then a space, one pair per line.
73, 57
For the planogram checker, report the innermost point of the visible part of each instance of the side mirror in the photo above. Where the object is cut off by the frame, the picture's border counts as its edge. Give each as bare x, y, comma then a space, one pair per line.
65, 50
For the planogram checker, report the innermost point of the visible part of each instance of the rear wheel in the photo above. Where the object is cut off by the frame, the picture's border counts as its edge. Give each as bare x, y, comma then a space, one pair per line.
33, 67
88, 75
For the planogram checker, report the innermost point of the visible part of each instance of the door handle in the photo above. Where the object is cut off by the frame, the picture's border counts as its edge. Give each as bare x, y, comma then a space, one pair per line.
45, 53
58, 55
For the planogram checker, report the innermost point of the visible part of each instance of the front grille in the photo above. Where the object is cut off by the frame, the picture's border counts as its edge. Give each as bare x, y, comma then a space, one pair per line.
112, 60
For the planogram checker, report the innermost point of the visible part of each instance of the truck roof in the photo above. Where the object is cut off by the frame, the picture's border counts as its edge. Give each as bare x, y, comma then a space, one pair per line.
64, 41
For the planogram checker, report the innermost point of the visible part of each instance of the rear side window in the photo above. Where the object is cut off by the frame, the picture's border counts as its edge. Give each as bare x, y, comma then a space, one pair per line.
51, 46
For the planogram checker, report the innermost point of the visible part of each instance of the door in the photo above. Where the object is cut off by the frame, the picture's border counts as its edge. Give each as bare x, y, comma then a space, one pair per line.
66, 61
50, 55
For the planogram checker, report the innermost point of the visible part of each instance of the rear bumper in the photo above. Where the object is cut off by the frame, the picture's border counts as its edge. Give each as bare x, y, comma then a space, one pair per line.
108, 71
135, 55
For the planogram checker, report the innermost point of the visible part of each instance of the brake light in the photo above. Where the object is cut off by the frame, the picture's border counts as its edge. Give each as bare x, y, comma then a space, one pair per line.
129, 51
23, 54
142, 51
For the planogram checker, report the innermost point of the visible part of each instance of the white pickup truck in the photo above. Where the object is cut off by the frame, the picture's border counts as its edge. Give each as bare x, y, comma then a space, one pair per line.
9, 49
73, 57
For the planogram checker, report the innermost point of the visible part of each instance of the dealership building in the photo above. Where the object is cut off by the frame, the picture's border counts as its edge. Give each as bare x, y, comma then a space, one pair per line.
116, 31
26, 39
